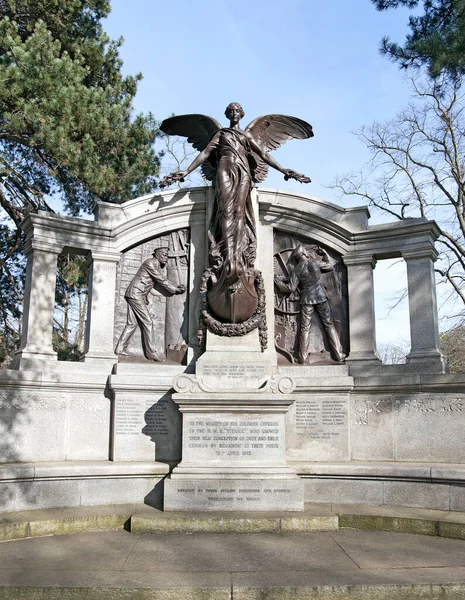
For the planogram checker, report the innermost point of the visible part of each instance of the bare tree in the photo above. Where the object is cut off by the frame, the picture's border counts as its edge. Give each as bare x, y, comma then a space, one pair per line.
393, 353
177, 153
417, 169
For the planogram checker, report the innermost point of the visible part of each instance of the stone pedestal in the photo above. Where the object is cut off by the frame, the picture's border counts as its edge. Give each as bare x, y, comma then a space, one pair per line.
233, 453
232, 363
233, 441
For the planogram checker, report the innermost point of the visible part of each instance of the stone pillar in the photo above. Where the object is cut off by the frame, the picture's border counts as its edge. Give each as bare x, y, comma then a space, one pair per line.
101, 308
424, 331
362, 332
265, 264
198, 262
39, 304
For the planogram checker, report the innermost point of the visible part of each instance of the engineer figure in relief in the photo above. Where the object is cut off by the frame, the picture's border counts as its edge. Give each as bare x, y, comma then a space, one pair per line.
151, 271
307, 275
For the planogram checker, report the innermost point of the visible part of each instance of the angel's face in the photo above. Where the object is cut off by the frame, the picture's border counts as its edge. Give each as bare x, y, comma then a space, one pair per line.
234, 112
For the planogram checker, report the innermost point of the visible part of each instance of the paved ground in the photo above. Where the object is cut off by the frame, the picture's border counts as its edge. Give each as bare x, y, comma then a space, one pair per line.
244, 565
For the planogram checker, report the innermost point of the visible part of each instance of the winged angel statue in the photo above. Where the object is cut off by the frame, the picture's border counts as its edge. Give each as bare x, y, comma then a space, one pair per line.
234, 160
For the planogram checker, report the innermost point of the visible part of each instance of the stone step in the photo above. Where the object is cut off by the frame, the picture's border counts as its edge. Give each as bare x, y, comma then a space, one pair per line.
242, 523
140, 518
452, 591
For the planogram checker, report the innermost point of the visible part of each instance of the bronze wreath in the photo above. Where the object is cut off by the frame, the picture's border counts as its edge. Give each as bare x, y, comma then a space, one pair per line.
258, 319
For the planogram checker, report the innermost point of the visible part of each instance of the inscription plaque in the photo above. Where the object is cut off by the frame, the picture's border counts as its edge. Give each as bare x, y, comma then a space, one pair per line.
232, 375
129, 418
237, 372
321, 419
233, 494
230, 437
318, 428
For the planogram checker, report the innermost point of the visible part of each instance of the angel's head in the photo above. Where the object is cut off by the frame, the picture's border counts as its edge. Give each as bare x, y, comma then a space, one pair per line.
234, 112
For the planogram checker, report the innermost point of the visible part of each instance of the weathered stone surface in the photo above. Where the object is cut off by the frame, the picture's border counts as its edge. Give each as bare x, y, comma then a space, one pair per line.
308, 524
430, 427
222, 524
424, 495
381, 523
234, 494
340, 490
88, 420
318, 428
371, 428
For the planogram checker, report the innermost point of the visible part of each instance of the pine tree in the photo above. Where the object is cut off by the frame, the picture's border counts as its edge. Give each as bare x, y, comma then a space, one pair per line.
67, 127
437, 38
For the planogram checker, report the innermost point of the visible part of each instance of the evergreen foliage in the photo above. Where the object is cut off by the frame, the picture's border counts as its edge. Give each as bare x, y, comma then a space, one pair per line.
67, 127
437, 38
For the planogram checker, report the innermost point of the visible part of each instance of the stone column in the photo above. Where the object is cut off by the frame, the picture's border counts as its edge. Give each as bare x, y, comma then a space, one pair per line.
39, 304
265, 264
362, 332
101, 308
198, 262
424, 331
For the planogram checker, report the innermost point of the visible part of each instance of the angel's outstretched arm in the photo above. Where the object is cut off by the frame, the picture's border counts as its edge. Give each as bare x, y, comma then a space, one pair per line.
269, 160
198, 160
203, 156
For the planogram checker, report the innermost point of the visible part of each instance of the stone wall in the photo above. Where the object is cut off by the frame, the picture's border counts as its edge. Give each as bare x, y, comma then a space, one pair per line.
106, 430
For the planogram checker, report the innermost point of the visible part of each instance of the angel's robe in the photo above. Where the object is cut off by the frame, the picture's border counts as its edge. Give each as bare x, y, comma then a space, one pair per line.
233, 224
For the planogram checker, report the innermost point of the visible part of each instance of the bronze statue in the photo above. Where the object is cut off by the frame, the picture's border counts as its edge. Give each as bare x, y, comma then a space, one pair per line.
234, 160
307, 276
151, 271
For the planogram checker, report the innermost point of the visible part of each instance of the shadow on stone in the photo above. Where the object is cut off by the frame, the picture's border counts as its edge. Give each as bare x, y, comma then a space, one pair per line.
155, 497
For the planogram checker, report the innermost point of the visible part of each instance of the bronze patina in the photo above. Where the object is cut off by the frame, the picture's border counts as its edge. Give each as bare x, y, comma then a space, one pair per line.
234, 160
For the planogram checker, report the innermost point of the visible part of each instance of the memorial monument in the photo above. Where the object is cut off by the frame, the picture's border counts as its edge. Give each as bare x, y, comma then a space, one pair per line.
230, 360
233, 427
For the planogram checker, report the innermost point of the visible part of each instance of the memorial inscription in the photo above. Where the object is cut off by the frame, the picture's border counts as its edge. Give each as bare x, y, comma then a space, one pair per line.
228, 375
233, 437
233, 494
233, 371
321, 419
128, 418
132, 416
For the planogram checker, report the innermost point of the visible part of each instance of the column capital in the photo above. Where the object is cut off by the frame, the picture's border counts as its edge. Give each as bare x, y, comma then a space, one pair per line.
359, 259
429, 252
33, 244
102, 256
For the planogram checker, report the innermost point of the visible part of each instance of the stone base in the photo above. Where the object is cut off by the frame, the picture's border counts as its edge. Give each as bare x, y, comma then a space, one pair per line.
34, 361
234, 494
233, 452
430, 361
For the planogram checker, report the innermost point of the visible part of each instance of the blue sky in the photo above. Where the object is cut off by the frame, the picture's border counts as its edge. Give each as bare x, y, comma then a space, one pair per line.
313, 59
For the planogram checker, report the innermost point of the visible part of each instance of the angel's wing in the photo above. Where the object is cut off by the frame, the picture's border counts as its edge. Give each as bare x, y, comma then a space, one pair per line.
198, 129
272, 131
